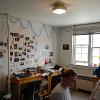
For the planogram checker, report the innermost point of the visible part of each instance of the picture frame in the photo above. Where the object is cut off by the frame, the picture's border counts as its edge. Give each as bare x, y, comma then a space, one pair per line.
65, 46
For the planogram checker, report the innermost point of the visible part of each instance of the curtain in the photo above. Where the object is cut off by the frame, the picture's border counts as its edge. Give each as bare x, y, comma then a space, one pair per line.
3, 49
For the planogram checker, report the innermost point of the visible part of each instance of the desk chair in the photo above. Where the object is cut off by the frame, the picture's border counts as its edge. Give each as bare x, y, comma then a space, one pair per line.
55, 80
37, 86
32, 91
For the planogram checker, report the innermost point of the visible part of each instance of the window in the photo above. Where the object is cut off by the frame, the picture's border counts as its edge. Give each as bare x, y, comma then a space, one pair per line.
86, 49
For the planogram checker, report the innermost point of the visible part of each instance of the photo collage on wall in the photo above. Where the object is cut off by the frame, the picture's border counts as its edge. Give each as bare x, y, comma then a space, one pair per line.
22, 48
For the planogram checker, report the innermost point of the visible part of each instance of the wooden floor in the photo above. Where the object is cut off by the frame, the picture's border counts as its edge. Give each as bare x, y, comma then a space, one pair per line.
80, 95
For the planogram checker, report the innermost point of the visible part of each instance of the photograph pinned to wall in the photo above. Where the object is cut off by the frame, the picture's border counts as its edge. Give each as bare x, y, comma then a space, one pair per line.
23, 53
16, 34
6, 44
65, 46
21, 36
17, 39
50, 54
11, 48
28, 42
28, 56
32, 55
16, 54
28, 50
27, 38
1, 53
31, 41
15, 46
22, 59
25, 43
10, 58
28, 45
25, 49
32, 47
46, 46
16, 59
12, 34
20, 48
21, 63
2, 43
20, 54
36, 60
11, 53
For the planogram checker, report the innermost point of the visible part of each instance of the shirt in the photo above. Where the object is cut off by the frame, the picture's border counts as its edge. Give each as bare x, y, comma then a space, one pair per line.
60, 93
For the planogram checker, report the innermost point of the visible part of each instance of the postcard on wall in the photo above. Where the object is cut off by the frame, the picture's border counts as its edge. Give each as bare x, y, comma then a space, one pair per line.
11, 48
23, 53
10, 58
12, 34
11, 53
16, 54
16, 39
21, 36
21, 63
46, 46
16, 59
50, 54
27, 38
15, 46
22, 59
16, 34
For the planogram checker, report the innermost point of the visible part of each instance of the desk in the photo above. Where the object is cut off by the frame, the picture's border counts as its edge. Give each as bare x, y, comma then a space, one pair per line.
95, 79
19, 81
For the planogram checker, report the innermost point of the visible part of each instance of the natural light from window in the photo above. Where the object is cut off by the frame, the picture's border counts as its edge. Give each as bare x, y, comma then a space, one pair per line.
86, 49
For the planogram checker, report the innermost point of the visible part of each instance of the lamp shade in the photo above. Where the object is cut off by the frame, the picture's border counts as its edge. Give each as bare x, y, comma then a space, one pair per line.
59, 8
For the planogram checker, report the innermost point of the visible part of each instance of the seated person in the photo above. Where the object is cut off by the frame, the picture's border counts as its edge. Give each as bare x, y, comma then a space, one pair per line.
97, 71
61, 91
95, 95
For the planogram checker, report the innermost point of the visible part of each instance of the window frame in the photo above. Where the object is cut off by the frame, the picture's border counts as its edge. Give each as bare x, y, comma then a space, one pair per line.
90, 48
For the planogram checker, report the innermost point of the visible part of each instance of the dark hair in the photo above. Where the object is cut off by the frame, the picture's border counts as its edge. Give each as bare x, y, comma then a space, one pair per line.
67, 72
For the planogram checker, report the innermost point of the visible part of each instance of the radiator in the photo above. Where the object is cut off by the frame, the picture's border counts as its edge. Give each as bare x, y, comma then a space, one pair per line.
84, 83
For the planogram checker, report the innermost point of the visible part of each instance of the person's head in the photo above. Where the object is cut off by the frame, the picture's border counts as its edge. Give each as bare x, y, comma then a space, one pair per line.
68, 77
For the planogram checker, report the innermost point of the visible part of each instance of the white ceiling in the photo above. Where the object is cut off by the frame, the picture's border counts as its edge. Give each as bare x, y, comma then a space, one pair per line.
78, 11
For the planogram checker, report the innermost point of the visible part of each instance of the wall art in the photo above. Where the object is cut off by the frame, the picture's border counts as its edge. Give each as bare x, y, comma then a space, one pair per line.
16, 59
11, 53
16, 34
16, 39
15, 46
21, 36
16, 54
65, 46
50, 54
21, 63
27, 38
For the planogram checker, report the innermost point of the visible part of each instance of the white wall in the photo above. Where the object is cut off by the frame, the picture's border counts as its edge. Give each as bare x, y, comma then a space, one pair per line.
65, 55
47, 37
3, 59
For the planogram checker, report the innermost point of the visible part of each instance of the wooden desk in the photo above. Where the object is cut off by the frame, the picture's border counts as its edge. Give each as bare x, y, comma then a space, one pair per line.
95, 79
19, 81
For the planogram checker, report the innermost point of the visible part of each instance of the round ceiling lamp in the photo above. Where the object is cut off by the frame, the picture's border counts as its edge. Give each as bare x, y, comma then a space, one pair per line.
58, 7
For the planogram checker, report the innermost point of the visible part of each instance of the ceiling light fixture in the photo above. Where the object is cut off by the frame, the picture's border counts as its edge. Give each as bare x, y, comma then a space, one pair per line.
59, 8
